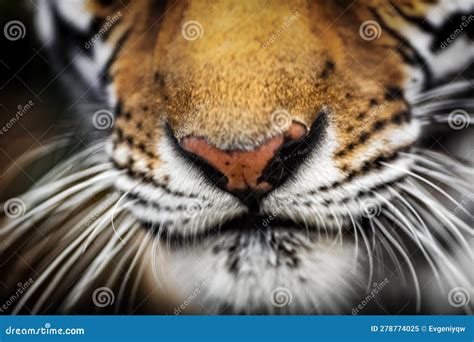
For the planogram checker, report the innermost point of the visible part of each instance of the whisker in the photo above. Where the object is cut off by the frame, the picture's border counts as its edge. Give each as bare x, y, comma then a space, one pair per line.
444, 90
434, 186
441, 214
369, 254
406, 257
138, 254
356, 238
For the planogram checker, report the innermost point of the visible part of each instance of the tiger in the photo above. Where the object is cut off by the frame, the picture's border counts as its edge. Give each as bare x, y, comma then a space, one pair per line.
251, 157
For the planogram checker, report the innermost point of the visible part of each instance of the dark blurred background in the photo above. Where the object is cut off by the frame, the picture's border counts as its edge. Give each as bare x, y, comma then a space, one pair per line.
25, 75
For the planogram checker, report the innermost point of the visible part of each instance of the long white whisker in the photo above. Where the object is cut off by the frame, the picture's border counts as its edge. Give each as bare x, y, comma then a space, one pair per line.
444, 90
407, 260
434, 186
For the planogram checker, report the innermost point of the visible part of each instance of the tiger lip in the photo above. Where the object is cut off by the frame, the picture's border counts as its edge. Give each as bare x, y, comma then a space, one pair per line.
244, 224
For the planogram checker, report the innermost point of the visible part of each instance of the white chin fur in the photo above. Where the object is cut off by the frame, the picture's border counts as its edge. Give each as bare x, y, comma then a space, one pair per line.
269, 272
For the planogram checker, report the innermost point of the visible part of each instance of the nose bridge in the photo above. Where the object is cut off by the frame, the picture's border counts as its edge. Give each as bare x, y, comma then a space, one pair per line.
234, 74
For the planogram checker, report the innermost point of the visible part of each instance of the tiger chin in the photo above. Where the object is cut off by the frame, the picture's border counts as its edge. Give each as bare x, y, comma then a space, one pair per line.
251, 158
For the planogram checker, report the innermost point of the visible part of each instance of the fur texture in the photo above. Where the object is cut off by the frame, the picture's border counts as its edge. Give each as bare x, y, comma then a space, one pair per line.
369, 206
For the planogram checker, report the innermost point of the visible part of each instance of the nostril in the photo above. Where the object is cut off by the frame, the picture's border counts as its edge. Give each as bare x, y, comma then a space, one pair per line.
294, 151
249, 175
240, 168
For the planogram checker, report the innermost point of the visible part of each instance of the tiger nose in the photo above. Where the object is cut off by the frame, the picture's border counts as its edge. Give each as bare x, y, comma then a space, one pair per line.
243, 169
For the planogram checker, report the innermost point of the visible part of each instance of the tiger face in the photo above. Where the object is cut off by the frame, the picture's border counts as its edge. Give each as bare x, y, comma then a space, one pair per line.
252, 126
259, 145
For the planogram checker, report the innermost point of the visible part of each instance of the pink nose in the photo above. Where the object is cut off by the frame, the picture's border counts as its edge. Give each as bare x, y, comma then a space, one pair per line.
243, 168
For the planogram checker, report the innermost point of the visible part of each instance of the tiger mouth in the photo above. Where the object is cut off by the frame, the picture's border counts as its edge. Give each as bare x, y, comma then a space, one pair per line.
246, 224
